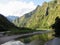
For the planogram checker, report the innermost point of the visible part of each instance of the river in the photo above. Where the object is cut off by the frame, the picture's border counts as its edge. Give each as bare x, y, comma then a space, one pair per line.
35, 42
13, 43
8, 38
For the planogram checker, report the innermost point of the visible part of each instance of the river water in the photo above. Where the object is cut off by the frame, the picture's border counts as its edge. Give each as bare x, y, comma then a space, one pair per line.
35, 42
55, 41
13, 43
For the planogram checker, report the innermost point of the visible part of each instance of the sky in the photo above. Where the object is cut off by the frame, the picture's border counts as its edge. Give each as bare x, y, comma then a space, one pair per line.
18, 7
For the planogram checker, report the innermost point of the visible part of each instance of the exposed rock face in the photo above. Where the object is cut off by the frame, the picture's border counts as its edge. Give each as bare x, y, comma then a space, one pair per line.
47, 11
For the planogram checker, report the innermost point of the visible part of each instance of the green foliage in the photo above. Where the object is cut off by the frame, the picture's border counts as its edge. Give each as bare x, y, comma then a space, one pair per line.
6, 25
39, 19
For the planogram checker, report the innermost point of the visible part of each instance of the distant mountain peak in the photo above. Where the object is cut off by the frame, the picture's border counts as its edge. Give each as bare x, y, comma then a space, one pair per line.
11, 18
37, 7
42, 18
5, 24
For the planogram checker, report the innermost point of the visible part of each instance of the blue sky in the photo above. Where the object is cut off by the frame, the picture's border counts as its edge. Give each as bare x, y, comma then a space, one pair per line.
19, 7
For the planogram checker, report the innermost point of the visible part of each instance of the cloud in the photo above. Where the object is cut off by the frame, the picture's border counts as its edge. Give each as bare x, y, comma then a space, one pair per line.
16, 8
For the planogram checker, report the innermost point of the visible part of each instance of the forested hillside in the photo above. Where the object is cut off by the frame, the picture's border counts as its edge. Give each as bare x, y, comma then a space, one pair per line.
42, 17
6, 25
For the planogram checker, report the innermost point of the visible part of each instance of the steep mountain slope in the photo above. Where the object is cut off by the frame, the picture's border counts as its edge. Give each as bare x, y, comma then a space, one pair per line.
42, 18
6, 25
20, 22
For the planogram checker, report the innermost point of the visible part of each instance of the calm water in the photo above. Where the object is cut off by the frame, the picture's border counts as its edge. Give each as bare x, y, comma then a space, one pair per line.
35, 42
13, 43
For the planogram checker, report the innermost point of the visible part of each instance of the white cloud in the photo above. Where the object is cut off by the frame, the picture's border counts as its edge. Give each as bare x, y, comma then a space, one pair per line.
16, 8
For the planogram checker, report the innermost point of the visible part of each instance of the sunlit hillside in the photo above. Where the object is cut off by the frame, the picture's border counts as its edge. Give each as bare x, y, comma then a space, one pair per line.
40, 18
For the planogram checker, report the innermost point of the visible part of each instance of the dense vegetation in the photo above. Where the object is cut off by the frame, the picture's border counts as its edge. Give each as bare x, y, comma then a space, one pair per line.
6, 25
42, 17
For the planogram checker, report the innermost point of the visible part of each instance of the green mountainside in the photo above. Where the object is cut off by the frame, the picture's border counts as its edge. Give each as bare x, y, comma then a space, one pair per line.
42, 17
23, 19
6, 25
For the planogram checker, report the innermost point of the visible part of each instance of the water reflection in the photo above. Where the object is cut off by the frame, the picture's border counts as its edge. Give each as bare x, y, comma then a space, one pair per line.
13, 43
35, 42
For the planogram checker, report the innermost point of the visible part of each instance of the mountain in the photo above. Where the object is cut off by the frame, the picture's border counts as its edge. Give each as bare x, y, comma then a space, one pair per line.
11, 18
22, 20
40, 18
6, 25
